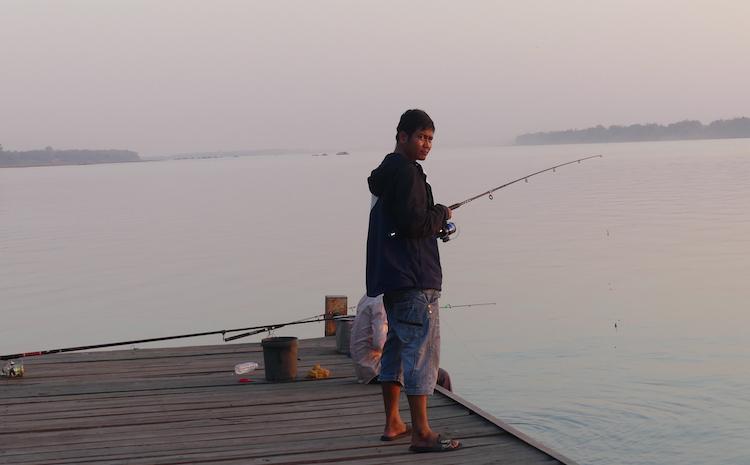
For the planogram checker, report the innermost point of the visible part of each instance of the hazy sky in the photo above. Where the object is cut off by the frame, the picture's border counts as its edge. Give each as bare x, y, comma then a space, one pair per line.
169, 76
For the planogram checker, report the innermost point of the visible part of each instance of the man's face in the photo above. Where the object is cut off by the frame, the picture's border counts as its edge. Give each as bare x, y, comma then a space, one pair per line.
418, 145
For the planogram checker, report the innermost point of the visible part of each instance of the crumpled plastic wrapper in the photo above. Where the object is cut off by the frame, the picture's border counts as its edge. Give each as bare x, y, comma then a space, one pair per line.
318, 372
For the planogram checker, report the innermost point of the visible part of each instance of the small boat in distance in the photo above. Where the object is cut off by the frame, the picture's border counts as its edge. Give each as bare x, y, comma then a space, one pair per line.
342, 153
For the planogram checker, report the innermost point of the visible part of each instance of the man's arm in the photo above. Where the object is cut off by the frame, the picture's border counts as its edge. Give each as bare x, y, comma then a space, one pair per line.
413, 215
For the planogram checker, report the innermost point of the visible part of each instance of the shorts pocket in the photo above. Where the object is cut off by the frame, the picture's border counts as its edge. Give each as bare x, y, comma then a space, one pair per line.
412, 319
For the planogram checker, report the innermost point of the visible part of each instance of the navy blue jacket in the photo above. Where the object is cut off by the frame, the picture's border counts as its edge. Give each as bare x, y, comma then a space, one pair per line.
402, 248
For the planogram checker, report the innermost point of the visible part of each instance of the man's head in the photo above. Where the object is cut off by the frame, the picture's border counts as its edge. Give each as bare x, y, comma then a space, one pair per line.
414, 134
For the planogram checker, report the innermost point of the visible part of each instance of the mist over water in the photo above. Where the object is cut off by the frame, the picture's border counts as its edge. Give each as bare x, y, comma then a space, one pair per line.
619, 334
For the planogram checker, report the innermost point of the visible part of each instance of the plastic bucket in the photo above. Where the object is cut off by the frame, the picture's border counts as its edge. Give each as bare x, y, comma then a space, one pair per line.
343, 333
280, 358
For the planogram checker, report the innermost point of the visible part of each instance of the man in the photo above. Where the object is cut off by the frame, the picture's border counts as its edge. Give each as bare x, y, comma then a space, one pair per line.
403, 263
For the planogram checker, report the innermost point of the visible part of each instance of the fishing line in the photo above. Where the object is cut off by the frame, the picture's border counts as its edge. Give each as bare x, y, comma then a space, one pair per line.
468, 305
450, 228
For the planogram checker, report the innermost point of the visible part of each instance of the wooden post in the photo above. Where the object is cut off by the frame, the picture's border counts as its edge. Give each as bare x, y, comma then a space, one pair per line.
335, 305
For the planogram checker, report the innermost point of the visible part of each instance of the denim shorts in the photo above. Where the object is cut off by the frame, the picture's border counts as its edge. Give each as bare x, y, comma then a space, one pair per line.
412, 349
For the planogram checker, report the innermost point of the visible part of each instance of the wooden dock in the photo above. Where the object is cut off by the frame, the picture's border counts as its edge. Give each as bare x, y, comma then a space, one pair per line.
186, 405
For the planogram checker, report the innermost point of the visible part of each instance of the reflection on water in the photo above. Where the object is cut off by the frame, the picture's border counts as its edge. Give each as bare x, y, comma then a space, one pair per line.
620, 331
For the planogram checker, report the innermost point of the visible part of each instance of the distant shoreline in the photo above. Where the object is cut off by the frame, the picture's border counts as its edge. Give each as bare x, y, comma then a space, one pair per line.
737, 128
51, 157
73, 164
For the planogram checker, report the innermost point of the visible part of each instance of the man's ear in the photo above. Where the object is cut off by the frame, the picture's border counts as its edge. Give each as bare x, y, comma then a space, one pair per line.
403, 137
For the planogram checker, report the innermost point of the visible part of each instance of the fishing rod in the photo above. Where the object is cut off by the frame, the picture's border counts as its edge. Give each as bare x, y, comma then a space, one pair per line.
259, 329
450, 228
334, 318
269, 328
249, 331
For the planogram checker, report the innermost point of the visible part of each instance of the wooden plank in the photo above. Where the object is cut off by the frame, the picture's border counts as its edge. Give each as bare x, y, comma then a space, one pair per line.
295, 449
461, 426
238, 409
58, 375
135, 369
260, 445
146, 422
335, 451
228, 387
178, 400
367, 428
77, 409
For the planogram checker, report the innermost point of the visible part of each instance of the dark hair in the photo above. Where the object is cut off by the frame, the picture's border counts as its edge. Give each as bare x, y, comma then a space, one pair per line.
414, 120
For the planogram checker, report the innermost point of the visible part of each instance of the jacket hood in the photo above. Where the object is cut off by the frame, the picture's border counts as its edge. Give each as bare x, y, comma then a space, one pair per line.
384, 174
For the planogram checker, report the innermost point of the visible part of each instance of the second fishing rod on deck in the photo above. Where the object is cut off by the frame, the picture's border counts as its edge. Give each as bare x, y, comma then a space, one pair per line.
248, 331
449, 228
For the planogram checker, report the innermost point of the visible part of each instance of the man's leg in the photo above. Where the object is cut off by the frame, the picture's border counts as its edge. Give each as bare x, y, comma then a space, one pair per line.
390, 377
394, 425
423, 439
421, 358
421, 433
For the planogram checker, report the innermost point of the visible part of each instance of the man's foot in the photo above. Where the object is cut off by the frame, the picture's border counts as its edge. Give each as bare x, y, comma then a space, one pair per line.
392, 437
439, 445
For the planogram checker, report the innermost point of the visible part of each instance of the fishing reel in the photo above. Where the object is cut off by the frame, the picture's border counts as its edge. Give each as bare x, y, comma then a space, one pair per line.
448, 229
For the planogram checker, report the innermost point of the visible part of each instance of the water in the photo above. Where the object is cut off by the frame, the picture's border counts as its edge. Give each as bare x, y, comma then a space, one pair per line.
620, 330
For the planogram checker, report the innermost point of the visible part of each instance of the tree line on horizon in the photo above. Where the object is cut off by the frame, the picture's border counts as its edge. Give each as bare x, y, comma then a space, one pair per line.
50, 156
682, 130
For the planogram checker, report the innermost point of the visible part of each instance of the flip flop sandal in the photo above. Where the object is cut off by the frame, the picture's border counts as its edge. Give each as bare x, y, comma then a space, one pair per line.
442, 445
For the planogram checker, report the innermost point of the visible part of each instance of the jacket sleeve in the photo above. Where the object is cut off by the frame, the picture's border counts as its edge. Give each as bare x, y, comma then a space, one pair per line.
414, 215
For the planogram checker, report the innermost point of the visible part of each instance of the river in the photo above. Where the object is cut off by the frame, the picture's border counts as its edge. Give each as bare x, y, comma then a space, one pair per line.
619, 333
